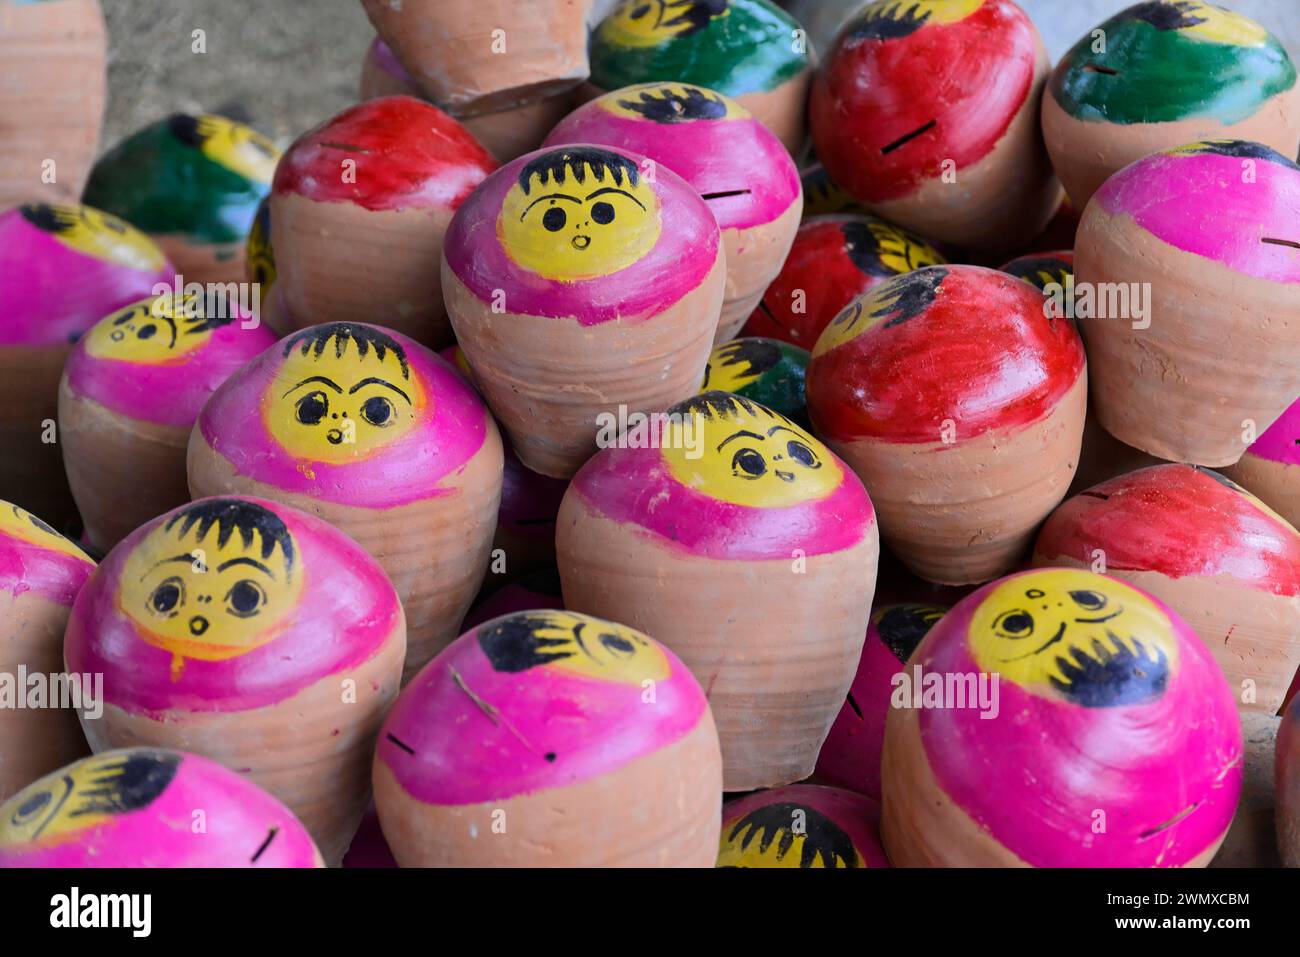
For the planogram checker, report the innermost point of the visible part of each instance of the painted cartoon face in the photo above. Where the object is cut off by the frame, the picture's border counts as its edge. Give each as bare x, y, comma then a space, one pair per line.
786, 834
880, 248
16, 522
890, 19
901, 627
889, 304
648, 23
98, 234
1041, 271
579, 213
750, 454
344, 392
154, 331
573, 643
1203, 21
215, 580
235, 146
60, 805
672, 103
741, 362
1075, 635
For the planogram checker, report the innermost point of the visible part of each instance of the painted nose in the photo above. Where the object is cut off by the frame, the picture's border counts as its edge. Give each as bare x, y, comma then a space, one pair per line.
581, 242
335, 436
198, 625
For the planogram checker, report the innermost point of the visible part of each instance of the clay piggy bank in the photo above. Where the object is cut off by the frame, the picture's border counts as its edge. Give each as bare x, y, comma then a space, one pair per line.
803, 826
1270, 467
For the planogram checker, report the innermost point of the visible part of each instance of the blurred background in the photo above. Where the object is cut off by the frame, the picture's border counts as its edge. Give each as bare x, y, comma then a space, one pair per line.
286, 65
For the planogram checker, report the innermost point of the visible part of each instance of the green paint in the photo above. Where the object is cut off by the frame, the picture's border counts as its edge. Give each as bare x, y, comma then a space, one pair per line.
1165, 75
164, 186
751, 48
781, 369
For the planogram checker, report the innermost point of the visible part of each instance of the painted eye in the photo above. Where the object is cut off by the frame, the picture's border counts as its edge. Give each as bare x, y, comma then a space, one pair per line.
245, 598
802, 454
617, 644
1089, 600
169, 594
378, 411
603, 213
640, 11
146, 332
31, 807
555, 219
312, 407
748, 463
1015, 624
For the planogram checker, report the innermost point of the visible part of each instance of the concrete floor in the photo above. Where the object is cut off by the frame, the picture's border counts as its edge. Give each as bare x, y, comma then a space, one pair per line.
285, 65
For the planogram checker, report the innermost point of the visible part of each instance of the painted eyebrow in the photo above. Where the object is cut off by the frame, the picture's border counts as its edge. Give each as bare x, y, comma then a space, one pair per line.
736, 435
246, 561
375, 380
572, 199
615, 189
778, 428
187, 558
317, 378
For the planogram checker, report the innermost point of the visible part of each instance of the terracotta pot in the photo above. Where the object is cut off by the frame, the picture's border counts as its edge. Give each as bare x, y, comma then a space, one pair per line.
131, 392
1270, 467
387, 174
766, 371
1288, 787
55, 57
404, 458
961, 406
1217, 555
1168, 73
834, 260
745, 49
62, 269
529, 593
734, 162
486, 54
383, 75
850, 758
273, 645
1216, 358
581, 309
961, 160
803, 826
193, 183
150, 808
40, 574
525, 535
481, 763
1073, 753
1252, 839
755, 562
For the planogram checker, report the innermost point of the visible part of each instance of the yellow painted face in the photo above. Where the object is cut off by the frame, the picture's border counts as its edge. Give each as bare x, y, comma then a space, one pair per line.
216, 580
672, 103
94, 233
786, 834
750, 455
1076, 636
728, 369
338, 404
63, 804
648, 23
237, 147
579, 213
578, 644
1218, 25
21, 524
154, 331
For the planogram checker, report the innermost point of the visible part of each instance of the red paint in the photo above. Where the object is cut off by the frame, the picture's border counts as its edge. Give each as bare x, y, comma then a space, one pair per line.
983, 354
971, 77
407, 153
1179, 521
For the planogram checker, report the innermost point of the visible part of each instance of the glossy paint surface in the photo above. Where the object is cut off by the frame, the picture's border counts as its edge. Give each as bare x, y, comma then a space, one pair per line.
35, 558
532, 702
802, 826
945, 343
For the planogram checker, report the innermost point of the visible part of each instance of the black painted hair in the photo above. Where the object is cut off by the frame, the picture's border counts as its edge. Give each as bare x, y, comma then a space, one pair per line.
862, 244
186, 129
722, 405
759, 355
232, 515
559, 164
512, 644
901, 627
666, 105
1033, 269
694, 14
48, 217
128, 783
822, 837
1113, 676
907, 296
315, 338
1165, 16
1245, 149
889, 21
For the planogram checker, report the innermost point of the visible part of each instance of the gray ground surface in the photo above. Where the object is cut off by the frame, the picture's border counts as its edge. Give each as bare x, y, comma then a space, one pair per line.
285, 65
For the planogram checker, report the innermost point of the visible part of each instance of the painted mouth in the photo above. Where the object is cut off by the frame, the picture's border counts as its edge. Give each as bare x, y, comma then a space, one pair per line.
785, 476
334, 436
1060, 633
581, 242
198, 625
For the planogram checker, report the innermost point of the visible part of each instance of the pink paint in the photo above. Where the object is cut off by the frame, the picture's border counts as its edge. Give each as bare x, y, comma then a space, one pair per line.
27, 567
679, 262
381, 54
635, 486
854, 814
169, 393
50, 293
452, 429
1198, 203
714, 156
459, 755
346, 614
1281, 440
369, 848
243, 822
405, 153
1179, 521
1035, 775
